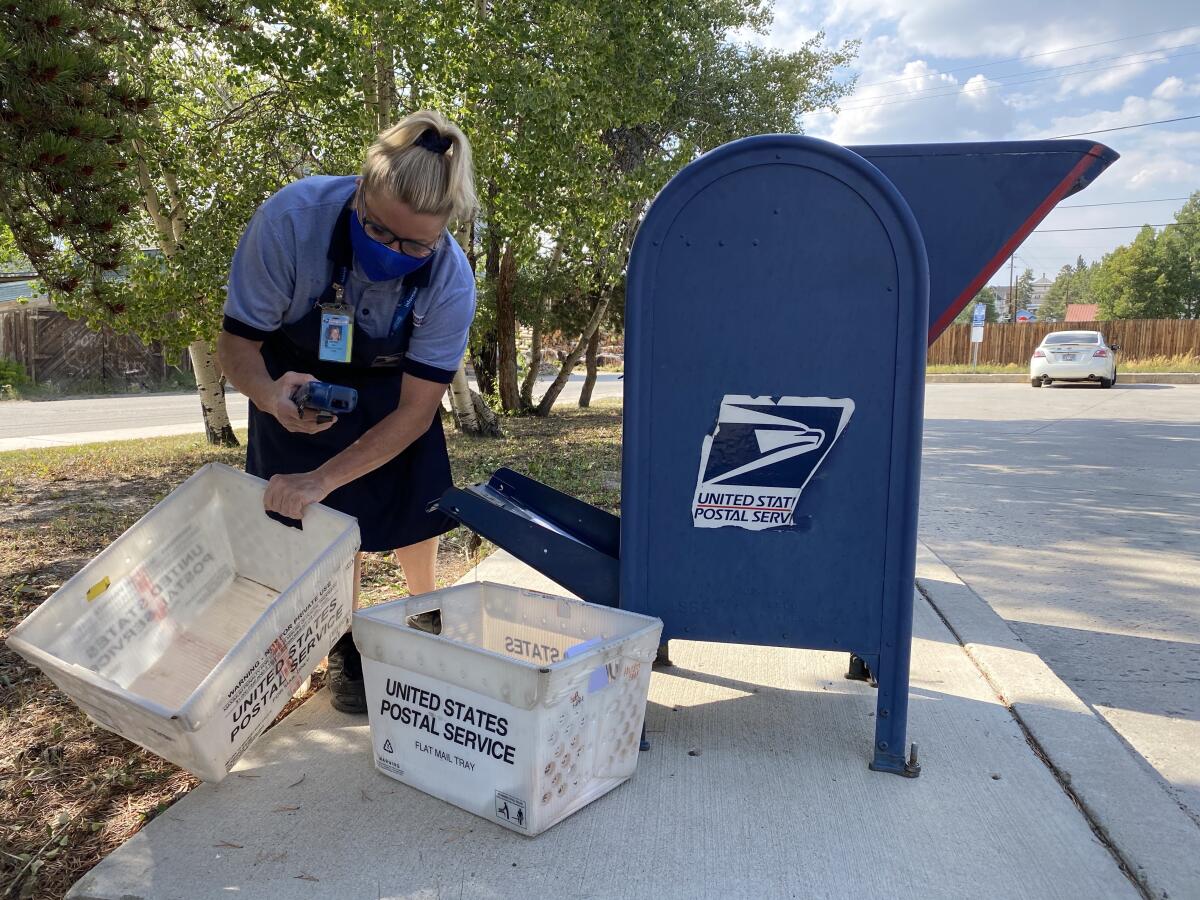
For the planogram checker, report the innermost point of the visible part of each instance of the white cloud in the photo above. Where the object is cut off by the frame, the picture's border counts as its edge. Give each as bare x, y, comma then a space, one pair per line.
966, 52
1175, 88
1089, 84
1132, 110
979, 91
1163, 170
970, 110
960, 28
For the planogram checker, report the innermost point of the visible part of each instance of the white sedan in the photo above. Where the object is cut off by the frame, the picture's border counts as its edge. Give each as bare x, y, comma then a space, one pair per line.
1074, 356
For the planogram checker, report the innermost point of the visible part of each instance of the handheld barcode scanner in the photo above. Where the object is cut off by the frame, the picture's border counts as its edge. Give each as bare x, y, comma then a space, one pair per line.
327, 400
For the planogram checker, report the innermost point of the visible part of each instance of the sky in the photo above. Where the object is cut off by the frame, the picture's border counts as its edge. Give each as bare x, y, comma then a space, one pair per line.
963, 70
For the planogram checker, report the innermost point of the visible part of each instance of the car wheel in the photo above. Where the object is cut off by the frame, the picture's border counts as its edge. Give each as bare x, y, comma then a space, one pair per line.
1105, 382
1035, 382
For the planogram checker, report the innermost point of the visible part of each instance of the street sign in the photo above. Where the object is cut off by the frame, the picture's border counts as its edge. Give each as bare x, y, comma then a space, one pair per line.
980, 314
976, 334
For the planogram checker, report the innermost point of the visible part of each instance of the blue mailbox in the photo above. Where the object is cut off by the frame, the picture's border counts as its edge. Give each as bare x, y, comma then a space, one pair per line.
781, 295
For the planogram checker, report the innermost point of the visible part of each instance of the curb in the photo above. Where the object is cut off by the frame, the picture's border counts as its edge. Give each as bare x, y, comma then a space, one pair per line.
1017, 378
1146, 830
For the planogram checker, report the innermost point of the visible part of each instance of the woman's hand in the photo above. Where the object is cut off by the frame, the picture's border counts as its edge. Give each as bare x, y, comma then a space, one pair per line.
289, 494
283, 406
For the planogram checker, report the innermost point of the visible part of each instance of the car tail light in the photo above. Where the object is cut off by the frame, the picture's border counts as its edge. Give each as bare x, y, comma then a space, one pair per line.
1100, 353
1038, 354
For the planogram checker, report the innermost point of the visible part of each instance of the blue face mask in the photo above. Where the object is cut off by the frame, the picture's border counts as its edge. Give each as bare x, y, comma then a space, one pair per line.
380, 263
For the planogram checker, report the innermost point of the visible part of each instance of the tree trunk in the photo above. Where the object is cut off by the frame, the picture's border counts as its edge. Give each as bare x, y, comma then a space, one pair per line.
471, 413
483, 361
460, 402
593, 348
560, 380
506, 331
568, 365
535, 360
210, 383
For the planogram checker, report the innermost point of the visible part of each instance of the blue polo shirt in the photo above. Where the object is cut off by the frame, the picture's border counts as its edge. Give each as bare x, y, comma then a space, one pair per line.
282, 266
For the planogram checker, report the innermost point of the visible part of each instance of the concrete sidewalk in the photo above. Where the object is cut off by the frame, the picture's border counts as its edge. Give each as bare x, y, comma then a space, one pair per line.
756, 786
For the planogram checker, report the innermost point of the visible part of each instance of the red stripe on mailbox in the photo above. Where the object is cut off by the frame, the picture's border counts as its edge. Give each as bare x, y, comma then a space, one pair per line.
1013, 242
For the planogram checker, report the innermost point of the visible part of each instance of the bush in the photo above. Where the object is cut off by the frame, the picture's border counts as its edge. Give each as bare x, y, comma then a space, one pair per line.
12, 373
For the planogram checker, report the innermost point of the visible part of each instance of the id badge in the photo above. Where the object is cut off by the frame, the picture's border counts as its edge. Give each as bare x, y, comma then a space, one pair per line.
337, 334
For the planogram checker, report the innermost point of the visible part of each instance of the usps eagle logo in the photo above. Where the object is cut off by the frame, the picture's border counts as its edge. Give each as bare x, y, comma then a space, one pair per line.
759, 457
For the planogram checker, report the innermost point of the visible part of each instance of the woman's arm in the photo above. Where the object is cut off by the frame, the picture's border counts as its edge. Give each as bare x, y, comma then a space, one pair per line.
242, 362
419, 402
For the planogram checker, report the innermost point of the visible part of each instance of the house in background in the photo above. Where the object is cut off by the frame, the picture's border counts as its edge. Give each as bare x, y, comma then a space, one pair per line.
16, 287
1041, 287
1081, 312
1001, 304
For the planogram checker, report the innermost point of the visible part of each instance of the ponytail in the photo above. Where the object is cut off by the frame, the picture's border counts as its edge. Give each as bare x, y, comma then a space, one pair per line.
425, 161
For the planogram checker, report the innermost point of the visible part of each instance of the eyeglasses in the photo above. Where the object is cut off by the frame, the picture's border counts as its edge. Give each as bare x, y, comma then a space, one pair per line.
378, 233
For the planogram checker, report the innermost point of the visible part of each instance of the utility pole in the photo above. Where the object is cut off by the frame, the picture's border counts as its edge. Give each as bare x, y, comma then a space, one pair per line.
1012, 294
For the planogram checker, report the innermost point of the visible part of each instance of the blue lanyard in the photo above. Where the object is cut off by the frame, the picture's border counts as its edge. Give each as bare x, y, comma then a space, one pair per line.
403, 308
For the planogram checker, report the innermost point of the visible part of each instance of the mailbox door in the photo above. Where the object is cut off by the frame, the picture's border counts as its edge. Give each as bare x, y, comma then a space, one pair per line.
772, 281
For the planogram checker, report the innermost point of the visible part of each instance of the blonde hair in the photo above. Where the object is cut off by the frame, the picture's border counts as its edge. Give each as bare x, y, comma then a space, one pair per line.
407, 162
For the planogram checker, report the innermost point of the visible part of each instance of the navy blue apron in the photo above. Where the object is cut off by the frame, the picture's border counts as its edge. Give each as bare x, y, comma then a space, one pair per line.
390, 503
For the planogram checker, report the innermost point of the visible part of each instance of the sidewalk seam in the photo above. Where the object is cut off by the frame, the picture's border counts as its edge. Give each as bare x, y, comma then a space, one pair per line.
1064, 782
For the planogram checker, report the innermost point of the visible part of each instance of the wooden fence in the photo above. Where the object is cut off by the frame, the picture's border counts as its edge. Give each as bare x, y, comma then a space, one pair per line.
54, 348
1015, 342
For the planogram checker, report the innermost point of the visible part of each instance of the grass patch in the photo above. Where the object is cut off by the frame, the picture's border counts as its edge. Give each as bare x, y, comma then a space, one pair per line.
1181, 363
981, 369
70, 792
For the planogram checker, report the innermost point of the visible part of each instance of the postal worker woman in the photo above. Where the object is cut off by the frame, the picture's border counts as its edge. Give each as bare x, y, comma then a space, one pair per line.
355, 281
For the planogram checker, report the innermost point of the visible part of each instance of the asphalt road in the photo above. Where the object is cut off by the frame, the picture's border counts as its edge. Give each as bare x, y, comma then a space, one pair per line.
25, 424
1075, 512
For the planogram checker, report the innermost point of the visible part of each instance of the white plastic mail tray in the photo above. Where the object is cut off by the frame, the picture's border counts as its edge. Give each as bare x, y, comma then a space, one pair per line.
524, 709
191, 631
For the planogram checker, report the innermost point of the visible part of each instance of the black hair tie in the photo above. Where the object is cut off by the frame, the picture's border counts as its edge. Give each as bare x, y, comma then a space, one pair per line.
432, 141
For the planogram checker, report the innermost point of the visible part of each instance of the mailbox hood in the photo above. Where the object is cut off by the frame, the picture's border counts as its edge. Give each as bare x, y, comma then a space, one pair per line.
975, 203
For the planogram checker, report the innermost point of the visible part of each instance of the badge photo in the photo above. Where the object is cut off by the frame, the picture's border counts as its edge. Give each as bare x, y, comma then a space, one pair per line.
337, 334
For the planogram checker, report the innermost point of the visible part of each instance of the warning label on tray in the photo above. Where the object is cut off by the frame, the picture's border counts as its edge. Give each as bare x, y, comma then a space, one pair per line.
279, 671
759, 457
511, 809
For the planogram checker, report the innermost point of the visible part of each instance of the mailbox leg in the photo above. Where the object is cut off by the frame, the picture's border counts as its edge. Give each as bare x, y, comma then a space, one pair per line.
891, 704
891, 750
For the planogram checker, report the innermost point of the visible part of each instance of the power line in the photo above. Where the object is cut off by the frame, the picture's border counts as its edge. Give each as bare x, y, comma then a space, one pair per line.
1030, 56
968, 89
1090, 62
1112, 227
1122, 202
1121, 128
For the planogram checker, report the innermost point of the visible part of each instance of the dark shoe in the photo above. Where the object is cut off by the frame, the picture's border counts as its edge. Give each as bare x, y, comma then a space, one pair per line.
344, 678
662, 659
430, 622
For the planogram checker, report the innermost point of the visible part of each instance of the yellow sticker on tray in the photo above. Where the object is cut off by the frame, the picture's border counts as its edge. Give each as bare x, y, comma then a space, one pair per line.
97, 589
